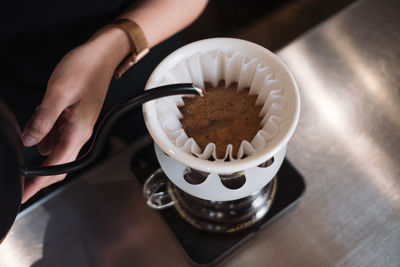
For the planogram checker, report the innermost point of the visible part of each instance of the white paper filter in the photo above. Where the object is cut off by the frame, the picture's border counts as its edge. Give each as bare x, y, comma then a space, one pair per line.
213, 66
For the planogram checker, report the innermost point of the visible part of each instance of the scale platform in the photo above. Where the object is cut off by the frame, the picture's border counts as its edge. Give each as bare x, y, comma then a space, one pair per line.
209, 249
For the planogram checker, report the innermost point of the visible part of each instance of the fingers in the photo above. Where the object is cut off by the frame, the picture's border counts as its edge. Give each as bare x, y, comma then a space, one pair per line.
43, 119
69, 143
46, 146
34, 185
49, 142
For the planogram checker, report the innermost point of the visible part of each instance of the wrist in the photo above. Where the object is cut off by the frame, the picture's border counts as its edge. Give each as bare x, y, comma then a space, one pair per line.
137, 41
112, 45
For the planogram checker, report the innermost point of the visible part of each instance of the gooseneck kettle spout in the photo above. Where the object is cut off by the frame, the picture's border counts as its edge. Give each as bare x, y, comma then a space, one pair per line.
106, 125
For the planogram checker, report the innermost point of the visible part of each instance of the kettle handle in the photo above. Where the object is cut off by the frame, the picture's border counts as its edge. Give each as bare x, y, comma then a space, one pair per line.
106, 125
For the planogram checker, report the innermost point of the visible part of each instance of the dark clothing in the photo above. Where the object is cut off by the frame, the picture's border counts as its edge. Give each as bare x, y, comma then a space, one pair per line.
34, 37
36, 34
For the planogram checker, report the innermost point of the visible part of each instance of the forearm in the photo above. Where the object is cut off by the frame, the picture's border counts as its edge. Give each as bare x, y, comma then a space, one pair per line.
159, 19
76, 90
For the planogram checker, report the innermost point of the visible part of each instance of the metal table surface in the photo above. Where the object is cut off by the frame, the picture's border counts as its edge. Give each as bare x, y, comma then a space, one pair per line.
347, 146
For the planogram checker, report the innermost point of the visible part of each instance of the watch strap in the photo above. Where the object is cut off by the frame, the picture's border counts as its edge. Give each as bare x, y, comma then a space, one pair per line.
138, 43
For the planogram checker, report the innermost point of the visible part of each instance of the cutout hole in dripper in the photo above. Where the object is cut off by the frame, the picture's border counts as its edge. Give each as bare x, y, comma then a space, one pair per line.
194, 176
267, 163
233, 181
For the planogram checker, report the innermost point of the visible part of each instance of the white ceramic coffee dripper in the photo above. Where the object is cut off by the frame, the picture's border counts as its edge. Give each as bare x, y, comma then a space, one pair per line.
175, 159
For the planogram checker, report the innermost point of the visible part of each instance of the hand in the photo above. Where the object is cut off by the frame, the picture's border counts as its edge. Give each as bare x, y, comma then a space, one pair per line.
64, 121
76, 90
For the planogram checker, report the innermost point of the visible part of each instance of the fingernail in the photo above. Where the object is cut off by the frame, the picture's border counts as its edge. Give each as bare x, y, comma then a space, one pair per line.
28, 140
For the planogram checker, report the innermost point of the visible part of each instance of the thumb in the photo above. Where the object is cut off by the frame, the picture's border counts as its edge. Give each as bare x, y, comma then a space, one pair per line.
41, 122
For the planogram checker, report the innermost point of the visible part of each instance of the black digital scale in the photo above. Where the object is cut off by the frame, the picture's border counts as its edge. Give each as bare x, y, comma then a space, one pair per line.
209, 249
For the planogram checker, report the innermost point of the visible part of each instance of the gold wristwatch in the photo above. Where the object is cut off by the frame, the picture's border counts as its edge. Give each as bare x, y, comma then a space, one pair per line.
137, 41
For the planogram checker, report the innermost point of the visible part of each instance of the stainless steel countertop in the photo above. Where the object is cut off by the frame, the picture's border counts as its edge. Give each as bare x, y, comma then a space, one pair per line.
347, 146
